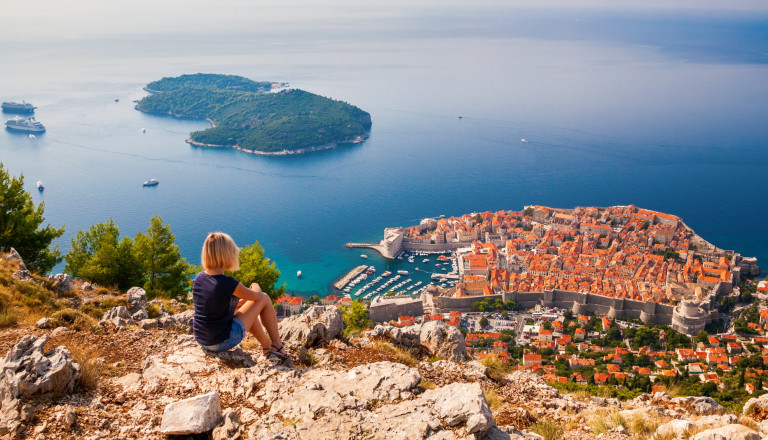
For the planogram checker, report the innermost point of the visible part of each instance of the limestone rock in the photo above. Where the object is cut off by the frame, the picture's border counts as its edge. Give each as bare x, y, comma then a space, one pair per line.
148, 324
318, 325
60, 282
700, 405
44, 323
405, 336
192, 416
474, 370
183, 320
462, 403
443, 340
728, 432
27, 370
140, 315
137, 299
675, 428
757, 408
13, 255
59, 330
230, 430
119, 316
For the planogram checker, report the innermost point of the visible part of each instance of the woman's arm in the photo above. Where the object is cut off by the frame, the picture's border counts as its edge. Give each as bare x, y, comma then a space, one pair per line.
252, 294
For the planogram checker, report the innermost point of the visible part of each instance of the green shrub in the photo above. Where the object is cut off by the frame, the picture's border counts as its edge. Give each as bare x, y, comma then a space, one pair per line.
72, 319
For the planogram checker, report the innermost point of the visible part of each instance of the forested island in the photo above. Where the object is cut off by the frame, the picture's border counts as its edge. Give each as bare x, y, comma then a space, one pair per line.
245, 116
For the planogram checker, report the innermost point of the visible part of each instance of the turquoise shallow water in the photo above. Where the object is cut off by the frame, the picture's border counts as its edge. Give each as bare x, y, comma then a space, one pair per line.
664, 111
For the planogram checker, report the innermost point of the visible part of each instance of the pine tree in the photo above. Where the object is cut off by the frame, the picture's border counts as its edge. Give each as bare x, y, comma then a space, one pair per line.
255, 268
163, 269
99, 256
20, 222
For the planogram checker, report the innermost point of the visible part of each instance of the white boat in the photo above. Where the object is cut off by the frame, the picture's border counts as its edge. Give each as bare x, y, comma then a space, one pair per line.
32, 136
25, 125
402, 272
143, 130
363, 256
151, 182
426, 260
40, 186
298, 274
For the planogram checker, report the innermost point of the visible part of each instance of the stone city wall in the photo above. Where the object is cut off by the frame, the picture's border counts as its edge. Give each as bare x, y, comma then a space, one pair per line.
391, 309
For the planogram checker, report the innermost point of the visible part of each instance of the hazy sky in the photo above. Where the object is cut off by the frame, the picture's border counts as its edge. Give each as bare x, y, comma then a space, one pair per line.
98, 17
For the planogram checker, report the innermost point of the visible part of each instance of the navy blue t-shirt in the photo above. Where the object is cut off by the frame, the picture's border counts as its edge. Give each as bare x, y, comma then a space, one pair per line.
215, 306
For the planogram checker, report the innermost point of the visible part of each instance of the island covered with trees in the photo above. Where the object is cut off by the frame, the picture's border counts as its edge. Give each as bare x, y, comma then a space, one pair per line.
244, 114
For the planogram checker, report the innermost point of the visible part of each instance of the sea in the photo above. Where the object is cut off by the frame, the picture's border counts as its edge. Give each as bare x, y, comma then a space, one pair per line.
662, 108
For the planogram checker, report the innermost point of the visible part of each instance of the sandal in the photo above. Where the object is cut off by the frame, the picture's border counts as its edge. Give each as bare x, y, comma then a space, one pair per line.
276, 351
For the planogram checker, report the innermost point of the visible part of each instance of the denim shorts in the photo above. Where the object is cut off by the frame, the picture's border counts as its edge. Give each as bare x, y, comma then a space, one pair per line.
236, 334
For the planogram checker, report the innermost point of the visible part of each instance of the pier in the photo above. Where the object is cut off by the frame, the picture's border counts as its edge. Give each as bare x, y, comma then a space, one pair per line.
349, 277
378, 247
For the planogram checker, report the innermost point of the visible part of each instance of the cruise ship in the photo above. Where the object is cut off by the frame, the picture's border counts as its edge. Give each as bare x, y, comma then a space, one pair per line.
18, 107
30, 125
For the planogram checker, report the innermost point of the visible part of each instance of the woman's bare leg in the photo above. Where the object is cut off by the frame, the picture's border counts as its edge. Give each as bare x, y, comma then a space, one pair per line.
255, 314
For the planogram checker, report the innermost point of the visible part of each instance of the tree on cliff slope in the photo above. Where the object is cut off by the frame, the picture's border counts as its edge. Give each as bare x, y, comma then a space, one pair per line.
255, 268
98, 255
20, 222
163, 269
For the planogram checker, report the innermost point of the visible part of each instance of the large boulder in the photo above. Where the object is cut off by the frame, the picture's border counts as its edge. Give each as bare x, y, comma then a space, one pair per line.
462, 403
728, 432
137, 299
192, 416
28, 370
316, 326
409, 336
443, 340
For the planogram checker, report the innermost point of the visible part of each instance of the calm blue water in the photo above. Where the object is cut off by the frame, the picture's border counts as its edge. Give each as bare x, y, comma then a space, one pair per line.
663, 110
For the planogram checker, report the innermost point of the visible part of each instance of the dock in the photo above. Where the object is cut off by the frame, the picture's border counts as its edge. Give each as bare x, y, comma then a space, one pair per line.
378, 247
349, 277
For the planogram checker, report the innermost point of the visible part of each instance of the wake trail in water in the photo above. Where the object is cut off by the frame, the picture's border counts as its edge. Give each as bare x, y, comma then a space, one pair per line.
187, 162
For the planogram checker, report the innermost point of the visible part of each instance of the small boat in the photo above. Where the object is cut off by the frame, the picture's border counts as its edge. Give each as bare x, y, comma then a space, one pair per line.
40, 186
426, 260
523, 140
143, 130
402, 272
32, 136
461, 117
298, 274
151, 182
117, 100
363, 256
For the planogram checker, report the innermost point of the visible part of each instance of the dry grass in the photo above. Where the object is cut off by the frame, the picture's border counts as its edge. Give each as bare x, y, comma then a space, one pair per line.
93, 369
496, 369
492, 397
428, 385
397, 354
642, 426
548, 429
601, 422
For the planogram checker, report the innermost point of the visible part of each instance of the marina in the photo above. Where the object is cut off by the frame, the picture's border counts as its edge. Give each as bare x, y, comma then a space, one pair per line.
362, 282
349, 277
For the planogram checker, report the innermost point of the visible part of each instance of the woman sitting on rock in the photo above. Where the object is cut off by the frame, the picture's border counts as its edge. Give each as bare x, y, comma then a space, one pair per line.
224, 308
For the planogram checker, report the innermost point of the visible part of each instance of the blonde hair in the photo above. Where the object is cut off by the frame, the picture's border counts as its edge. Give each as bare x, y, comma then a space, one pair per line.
220, 252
